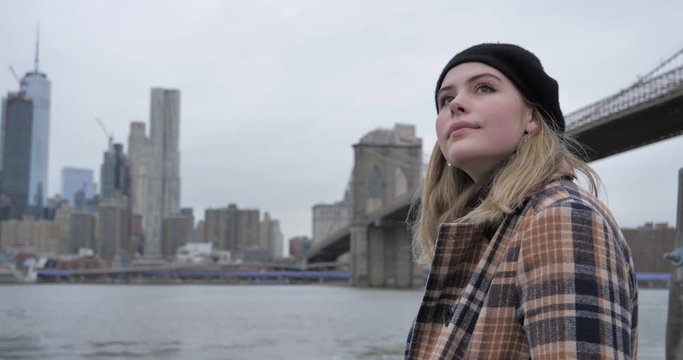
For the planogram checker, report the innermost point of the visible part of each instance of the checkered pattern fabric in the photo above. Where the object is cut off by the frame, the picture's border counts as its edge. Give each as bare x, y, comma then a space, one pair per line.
555, 281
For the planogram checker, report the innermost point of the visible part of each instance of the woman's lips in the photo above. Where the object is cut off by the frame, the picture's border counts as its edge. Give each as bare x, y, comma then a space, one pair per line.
460, 127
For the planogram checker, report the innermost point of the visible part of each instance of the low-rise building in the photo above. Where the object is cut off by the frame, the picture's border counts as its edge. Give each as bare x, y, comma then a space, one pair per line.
42, 236
299, 245
648, 244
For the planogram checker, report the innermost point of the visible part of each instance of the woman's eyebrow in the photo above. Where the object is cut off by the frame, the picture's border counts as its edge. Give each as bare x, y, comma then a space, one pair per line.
445, 89
479, 76
469, 81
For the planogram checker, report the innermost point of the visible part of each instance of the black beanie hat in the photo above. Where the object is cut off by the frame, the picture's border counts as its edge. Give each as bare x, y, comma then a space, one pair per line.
522, 68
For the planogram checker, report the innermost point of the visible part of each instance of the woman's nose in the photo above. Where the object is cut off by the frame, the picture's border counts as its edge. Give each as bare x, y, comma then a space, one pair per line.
457, 106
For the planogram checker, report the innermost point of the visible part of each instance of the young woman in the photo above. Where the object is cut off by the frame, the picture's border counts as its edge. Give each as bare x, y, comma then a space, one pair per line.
524, 264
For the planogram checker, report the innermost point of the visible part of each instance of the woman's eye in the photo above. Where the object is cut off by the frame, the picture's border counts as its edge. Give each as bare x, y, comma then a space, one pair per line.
446, 100
484, 88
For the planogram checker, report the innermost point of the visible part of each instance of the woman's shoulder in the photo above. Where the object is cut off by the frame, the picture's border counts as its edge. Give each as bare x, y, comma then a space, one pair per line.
565, 193
563, 203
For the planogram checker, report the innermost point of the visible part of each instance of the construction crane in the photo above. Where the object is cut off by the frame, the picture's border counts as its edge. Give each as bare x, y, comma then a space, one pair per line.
109, 135
14, 74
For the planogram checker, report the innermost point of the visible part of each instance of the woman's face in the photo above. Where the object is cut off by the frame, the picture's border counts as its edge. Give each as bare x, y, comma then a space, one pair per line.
482, 117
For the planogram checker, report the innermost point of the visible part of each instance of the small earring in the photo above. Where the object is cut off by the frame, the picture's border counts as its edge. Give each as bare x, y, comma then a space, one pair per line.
449, 164
525, 138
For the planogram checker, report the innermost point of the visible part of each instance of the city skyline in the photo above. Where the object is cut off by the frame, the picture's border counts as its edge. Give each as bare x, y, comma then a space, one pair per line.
281, 94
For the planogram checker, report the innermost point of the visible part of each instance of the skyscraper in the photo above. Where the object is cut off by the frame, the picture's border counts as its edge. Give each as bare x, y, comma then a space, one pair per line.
163, 188
271, 236
189, 213
17, 120
114, 173
37, 86
138, 154
75, 180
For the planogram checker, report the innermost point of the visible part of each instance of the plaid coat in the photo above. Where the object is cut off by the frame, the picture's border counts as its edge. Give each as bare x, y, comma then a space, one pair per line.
555, 281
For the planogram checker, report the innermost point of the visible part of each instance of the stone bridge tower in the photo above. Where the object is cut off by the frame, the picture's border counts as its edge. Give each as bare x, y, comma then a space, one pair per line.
386, 175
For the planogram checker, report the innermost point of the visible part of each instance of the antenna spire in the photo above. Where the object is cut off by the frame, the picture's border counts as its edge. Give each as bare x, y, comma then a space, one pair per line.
35, 61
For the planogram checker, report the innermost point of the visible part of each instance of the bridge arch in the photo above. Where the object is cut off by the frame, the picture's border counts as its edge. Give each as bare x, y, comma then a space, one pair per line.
386, 170
375, 189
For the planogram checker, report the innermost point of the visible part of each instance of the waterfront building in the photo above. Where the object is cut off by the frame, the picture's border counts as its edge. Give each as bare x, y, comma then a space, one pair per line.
276, 240
41, 236
299, 245
82, 231
176, 232
139, 150
264, 232
648, 244
214, 226
328, 218
138, 156
189, 213
233, 229
112, 234
77, 182
37, 86
62, 217
271, 237
243, 226
163, 166
137, 235
15, 165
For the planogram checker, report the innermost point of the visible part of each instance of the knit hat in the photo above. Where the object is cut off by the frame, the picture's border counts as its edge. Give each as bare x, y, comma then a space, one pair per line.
522, 68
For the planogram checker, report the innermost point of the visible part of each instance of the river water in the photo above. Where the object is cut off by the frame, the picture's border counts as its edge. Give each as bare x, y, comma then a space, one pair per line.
65, 321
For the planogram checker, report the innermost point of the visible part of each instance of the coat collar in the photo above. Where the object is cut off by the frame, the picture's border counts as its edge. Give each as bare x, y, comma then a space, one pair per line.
467, 308
463, 266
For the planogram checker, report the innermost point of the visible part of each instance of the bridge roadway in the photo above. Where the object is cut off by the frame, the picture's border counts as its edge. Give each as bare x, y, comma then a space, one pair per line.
339, 242
252, 272
647, 112
640, 115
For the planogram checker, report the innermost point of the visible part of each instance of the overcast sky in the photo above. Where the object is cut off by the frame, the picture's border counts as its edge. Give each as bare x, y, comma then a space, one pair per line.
274, 93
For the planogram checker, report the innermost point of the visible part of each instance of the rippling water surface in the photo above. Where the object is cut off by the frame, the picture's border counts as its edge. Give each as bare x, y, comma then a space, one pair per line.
228, 322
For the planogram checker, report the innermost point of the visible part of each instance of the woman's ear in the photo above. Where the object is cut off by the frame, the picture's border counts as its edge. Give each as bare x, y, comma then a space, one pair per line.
532, 127
531, 123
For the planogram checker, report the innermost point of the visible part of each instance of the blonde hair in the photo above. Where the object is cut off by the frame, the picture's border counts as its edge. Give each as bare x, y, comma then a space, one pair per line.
449, 194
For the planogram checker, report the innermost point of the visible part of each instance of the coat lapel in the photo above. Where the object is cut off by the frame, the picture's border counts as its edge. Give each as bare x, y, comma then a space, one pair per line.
468, 306
458, 249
